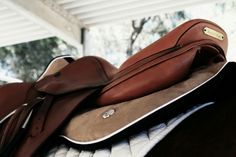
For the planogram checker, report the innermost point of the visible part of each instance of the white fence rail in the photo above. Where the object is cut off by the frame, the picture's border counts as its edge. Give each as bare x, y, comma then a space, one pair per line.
9, 79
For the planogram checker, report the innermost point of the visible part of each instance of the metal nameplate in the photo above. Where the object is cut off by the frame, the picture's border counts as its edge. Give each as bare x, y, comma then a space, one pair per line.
213, 33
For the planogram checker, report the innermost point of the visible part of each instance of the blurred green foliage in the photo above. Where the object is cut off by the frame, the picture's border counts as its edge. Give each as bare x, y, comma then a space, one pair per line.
27, 61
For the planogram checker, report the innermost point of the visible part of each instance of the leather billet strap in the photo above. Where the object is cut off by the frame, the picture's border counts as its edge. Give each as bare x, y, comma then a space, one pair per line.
18, 121
41, 115
17, 106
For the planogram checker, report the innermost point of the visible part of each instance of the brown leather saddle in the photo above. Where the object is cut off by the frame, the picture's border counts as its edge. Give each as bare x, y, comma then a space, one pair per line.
31, 112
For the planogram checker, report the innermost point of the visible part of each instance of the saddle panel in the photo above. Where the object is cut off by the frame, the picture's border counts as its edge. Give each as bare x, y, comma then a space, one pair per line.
160, 134
133, 145
166, 61
112, 120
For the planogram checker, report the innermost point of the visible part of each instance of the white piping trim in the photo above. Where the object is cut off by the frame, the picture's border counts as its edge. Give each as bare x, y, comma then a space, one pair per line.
139, 144
142, 117
9, 79
27, 120
10, 114
7, 116
52, 62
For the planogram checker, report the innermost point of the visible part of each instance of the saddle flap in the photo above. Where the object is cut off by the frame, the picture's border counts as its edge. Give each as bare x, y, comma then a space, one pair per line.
13, 96
87, 72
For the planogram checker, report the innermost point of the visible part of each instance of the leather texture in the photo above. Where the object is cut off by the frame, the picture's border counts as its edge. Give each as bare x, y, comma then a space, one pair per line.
81, 74
165, 62
12, 96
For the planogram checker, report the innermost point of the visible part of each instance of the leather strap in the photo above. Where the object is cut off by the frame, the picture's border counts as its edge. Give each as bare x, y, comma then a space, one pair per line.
7, 133
41, 115
15, 123
59, 111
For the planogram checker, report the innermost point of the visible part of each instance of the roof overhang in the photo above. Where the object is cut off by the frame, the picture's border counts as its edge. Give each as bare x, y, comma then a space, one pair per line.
27, 20
95, 12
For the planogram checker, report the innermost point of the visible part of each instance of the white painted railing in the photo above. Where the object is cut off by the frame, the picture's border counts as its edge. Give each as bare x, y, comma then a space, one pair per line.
9, 79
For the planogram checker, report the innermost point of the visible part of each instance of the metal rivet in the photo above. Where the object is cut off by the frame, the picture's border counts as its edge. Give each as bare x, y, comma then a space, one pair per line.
108, 113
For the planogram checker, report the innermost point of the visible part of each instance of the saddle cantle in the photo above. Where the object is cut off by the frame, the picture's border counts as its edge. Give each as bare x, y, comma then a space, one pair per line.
43, 106
167, 61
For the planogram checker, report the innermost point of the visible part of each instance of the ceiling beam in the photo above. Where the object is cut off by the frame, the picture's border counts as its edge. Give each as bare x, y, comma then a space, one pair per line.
142, 11
105, 5
9, 79
25, 31
64, 1
24, 38
6, 14
117, 9
46, 16
81, 3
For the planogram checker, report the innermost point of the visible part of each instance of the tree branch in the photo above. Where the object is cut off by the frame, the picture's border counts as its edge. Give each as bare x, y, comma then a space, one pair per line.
136, 31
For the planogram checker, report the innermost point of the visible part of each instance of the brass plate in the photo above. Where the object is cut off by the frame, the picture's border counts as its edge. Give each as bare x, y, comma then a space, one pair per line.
213, 33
